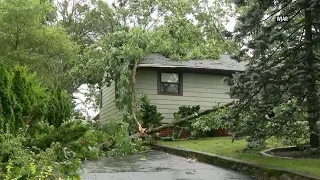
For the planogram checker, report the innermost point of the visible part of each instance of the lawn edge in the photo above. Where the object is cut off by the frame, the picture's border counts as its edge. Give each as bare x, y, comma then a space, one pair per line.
257, 170
265, 152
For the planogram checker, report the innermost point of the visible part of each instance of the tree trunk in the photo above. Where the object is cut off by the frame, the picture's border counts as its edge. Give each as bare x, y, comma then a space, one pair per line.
174, 123
133, 93
312, 97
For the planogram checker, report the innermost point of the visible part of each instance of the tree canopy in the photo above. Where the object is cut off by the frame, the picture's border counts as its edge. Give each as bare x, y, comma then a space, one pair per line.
86, 20
28, 38
181, 30
283, 68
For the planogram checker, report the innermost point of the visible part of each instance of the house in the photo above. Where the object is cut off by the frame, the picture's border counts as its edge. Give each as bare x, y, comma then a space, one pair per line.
170, 84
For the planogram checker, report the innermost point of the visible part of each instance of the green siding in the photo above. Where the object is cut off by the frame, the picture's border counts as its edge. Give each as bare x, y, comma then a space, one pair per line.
198, 89
108, 109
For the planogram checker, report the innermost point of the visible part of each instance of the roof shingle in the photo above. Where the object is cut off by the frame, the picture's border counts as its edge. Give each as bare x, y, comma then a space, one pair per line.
223, 63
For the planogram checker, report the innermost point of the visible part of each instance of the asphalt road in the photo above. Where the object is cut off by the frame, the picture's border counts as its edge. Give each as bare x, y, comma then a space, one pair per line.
155, 165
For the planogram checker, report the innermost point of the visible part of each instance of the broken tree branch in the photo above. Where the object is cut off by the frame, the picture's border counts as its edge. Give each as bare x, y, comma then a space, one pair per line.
133, 95
185, 119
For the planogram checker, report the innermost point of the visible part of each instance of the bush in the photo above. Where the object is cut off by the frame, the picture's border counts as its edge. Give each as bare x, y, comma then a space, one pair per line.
57, 152
122, 144
68, 132
149, 114
37, 139
22, 162
88, 146
7, 102
59, 107
25, 101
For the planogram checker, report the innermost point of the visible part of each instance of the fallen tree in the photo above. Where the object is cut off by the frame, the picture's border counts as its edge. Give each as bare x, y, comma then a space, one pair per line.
143, 132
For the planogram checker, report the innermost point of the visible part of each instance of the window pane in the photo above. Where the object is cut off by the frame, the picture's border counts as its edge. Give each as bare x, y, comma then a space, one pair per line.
169, 88
170, 77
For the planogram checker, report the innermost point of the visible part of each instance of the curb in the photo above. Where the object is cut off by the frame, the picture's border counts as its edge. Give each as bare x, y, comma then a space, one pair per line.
265, 152
259, 171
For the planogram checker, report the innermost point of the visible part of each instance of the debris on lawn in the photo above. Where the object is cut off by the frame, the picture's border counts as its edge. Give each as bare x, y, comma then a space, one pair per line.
192, 159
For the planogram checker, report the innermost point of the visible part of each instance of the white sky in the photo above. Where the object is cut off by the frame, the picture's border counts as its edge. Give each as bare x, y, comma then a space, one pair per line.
91, 111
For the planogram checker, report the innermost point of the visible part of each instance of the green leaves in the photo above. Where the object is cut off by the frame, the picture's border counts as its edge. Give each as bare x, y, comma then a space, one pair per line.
180, 29
26, 102
279, 71
212, 121
28, 39
59, 107
185, 111
148, 114
86, 20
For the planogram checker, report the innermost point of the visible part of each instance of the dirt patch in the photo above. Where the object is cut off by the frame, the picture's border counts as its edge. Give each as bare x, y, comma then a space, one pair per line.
296, 153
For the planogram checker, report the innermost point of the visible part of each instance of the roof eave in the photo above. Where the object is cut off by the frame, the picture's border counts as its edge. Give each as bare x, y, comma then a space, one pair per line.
191, 69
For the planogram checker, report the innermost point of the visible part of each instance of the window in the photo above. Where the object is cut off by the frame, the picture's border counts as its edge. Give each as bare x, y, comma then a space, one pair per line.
170, 83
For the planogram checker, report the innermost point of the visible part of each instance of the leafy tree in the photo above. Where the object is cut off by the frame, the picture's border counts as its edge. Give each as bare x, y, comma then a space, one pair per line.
148, 16
21, 89
86, 20
59, 107
25, 101
172, 33
30, 97
22, 97
6, 100
28, 38
283, 66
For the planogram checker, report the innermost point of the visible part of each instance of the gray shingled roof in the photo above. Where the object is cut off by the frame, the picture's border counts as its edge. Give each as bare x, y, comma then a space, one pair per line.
224, 63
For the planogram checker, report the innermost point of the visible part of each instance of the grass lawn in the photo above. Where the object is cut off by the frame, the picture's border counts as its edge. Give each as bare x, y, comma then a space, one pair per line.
224, 146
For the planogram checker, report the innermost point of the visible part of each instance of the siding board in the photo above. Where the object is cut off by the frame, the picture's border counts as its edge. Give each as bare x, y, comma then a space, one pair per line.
108, 109
198, 89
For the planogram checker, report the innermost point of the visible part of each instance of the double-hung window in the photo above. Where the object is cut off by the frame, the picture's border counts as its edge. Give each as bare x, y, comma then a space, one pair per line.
170, 83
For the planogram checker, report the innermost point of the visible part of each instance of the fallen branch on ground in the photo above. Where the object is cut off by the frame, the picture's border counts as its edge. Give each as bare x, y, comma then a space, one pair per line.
145, 132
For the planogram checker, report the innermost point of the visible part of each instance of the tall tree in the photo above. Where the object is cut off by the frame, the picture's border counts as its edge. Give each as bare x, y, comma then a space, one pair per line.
29, 38
86, 20
187, 25
283, 67
179, 29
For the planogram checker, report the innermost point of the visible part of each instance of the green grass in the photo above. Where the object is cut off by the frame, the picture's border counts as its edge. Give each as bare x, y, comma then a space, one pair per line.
223, 146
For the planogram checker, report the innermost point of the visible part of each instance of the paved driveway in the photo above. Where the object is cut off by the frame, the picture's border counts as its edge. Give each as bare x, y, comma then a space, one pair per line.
155, 166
